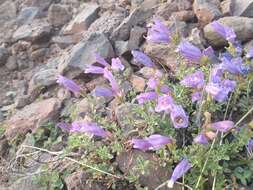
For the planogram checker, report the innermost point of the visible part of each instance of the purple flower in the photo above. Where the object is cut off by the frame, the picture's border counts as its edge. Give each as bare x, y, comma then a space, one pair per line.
209, 52
109, 76
102, 91
217, 91
226, 32
158, 33
195, 80
196, 96
179, 171
101, 60
157, 141
179, 117
189, 51
117, 65
216, 74
94, 70
141, 144
201, 139
64, 126
69, 84
234, 66
90, 128
153, 142
250, 53
165, 89
146, 96
222, 126
165, 102
142, 58
229, 85
152, 83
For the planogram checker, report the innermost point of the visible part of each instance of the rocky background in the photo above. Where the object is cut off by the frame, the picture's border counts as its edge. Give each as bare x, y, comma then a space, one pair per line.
40, 39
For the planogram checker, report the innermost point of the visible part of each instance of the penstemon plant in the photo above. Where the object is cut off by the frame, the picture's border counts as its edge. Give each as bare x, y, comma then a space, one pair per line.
193, 123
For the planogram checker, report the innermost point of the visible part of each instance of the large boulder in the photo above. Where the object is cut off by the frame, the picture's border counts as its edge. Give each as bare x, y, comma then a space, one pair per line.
31, 117
242, 26
82, 54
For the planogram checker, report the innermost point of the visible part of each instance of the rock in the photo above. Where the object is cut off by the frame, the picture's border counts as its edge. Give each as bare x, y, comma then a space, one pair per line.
154, 174
206, 11
243, 8
38, 31
7, 11
31, 117
1, 117
137, 16
121, 47
42, 5
43, 78
242, 26
125, 113
136, 37
196, 37
80, 181
226, 7
65, 41
3, 56
27, 15
25, 183
162, 54
112, 20
4, 146
58, 15
22, 101
83, 20
82, 54
183, 15
39, 54
166, 9
138, 83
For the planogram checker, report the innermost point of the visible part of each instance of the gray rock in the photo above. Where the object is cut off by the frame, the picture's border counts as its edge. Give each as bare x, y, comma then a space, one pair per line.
1, 116
3, 55
42, 5
64, 41
121, 47
242, 26
43, 78
154, 174
137, 16
243, 8
83, 20
136, 37
22, 101
7, 11
128, 118
206, 11
58, 15
82, 54
39, 30
226, 7
27, 15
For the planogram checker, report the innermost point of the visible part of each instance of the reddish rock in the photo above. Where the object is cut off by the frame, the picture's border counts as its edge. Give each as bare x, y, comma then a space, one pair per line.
183, 15
138, 83
31, 117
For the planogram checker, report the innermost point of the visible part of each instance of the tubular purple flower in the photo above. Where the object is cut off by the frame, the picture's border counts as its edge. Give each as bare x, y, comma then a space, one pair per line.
195, 80
146, 96
179, 171
229, 85
90, 128
179, 117
201, 139
68, 84
165, 89
234, 66
152, 83
196, 96
109, 76
158, 33
157, 141
94, 70
250, 53
117, 65
142, 58
165, 102
209, 52
226, 32
217, 91
216, 74
105, 92
222, 126
63, 126
153, 142
101, 60
189, 51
